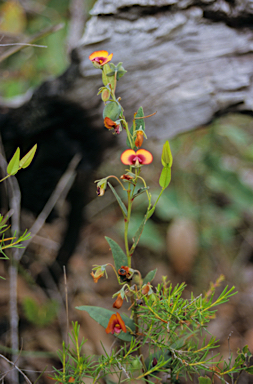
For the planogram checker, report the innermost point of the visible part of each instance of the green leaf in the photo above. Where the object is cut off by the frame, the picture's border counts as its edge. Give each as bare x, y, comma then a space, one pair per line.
27, 159
165, 177
140, 191
204, 380
249, 370
140, 123
102, 317
150, 276
13, 165
118, 255
166, 158
121, 204
105, 72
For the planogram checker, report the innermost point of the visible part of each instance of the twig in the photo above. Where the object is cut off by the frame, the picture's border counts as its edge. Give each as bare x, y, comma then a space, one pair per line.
17, 368
31, 39
61, 188
24, 44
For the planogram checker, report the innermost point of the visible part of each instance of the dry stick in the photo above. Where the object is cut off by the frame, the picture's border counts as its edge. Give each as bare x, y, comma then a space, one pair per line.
23, 44
17, 369
61, 188
31, 39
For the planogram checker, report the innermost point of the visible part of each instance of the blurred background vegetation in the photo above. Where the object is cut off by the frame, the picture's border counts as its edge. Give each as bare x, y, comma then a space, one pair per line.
203, 224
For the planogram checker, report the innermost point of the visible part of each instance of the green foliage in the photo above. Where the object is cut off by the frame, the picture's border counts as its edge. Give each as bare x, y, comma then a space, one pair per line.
13, 165
121, 204
150, 276
165, 177
118, 255
173, 328
40, 315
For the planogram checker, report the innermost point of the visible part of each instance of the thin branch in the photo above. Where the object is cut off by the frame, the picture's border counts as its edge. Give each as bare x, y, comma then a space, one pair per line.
30, 40
17, 368
25, 44
62, 188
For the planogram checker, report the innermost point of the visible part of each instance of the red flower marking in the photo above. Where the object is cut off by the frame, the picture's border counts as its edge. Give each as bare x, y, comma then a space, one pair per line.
116, 324
141, 157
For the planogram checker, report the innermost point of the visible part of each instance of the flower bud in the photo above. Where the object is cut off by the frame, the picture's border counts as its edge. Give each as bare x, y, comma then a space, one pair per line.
101, 186
105, 96
98, 274
118, 302
166, 158
139, 139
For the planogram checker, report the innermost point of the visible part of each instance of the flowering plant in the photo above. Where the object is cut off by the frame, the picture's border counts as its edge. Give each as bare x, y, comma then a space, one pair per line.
161, 338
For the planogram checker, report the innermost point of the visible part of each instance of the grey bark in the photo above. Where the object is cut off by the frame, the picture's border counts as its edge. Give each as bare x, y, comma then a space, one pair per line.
189, 60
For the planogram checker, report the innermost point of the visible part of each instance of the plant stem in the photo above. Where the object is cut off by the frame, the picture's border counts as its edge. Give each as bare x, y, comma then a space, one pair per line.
129, 207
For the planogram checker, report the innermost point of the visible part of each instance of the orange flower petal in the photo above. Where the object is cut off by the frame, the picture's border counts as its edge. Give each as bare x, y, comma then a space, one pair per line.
109, 123
126, 156
147, 155
98, 54
109, 58
112, 322
121, 322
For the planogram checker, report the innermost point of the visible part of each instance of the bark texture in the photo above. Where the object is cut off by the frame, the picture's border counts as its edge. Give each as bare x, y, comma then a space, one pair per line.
189, 60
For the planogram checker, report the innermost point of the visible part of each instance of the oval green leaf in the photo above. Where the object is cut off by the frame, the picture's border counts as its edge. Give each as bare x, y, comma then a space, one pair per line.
121, 204
119, 256
165, 177
13, 165
150, 276
27, 159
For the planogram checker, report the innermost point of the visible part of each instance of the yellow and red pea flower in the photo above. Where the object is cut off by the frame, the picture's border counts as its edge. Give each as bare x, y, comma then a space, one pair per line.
118, 302
140, 157
139, 139
100, 58
116, 324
